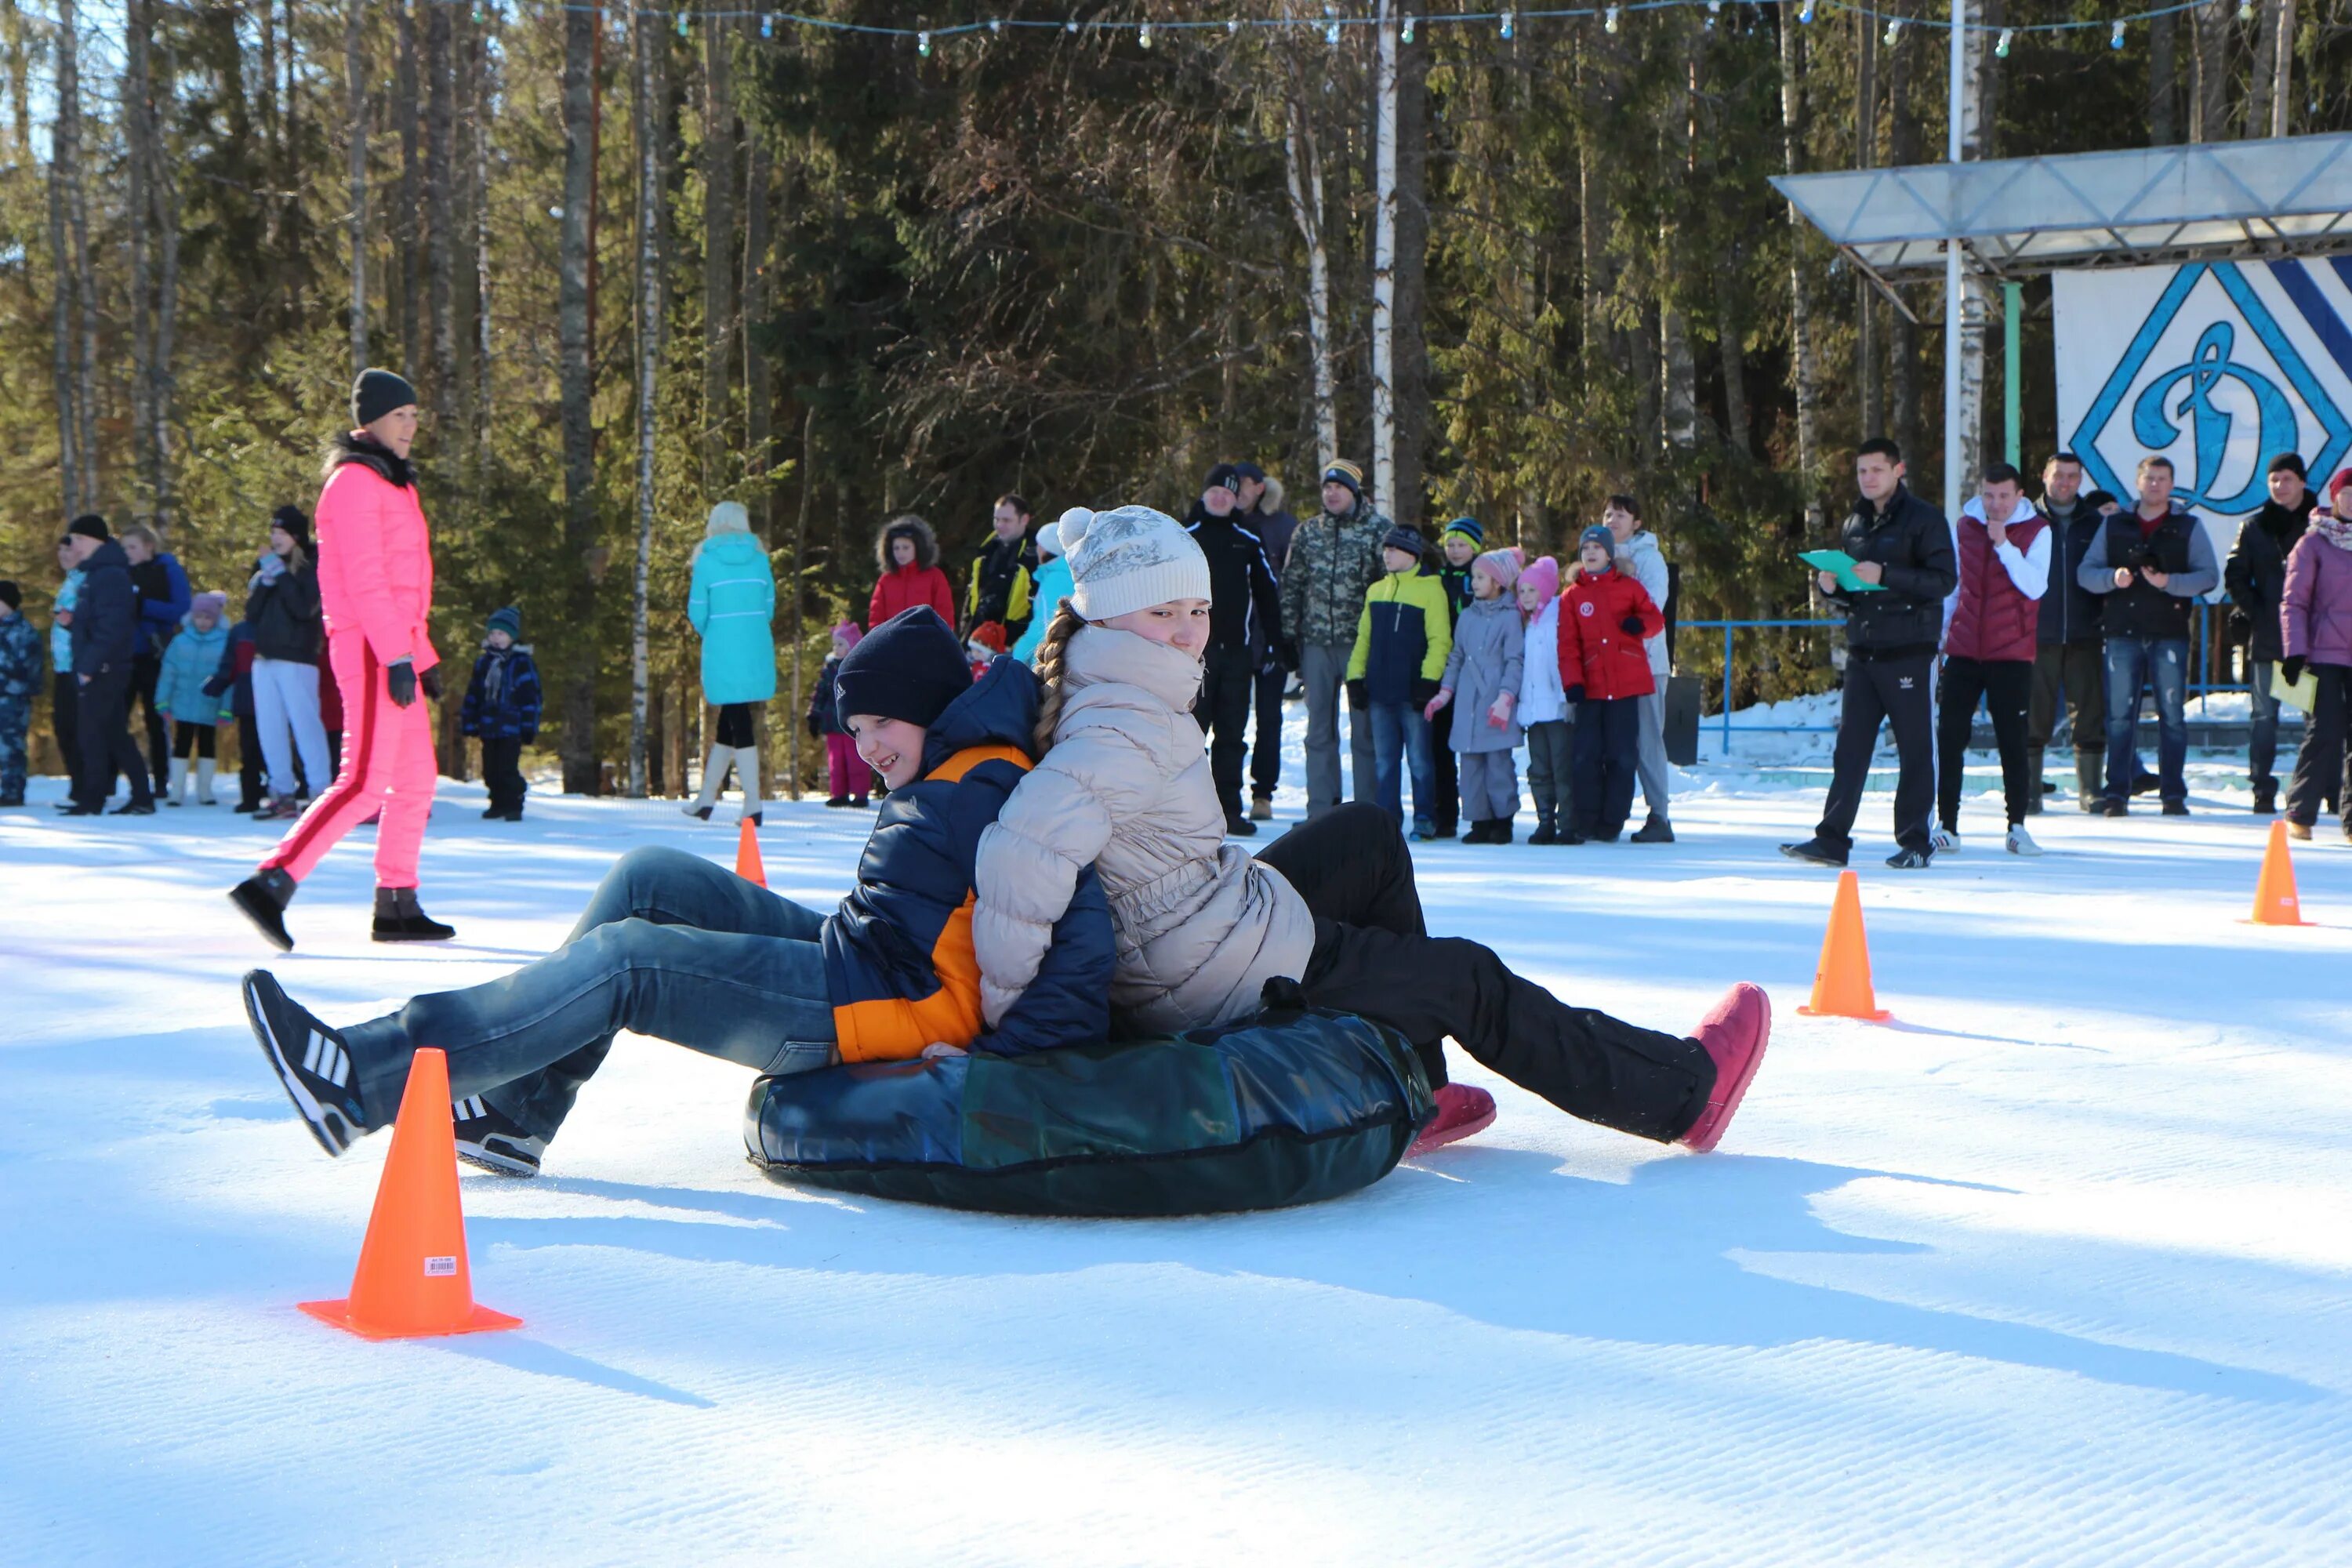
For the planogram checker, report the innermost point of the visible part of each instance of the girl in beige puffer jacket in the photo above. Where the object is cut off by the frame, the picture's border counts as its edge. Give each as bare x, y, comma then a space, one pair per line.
1202, 926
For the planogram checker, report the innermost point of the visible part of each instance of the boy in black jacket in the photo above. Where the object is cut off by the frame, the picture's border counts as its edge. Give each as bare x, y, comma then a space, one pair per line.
503, 708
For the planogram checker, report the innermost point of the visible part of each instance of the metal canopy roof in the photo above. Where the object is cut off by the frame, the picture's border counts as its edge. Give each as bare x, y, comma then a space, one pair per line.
2277, 197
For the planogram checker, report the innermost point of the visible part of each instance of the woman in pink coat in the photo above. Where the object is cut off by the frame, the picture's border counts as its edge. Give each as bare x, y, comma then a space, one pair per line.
2315, 627
375, 587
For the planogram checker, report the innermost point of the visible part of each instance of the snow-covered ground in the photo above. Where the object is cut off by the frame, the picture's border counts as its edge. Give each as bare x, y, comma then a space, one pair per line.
2056, 1267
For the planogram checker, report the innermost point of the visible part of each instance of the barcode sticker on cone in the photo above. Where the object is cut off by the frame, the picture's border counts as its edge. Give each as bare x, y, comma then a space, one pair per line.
440, 1267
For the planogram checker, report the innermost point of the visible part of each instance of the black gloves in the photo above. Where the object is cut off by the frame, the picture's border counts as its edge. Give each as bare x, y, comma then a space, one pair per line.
217, 685
1574, 694
401, 680
2242, 625
1286, 652
2291, 668
1631, 626
1423, 690
431, 681
815, 729
1358, 697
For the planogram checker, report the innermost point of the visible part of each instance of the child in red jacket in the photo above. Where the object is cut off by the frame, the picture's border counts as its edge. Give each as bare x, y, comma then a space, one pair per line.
1603, 667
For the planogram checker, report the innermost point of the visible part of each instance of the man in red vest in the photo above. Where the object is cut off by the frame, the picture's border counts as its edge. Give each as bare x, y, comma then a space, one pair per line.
1991, 625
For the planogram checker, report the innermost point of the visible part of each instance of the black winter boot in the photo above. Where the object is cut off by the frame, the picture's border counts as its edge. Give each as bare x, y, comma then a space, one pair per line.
1499, 830
399, 918
1545, 832
2266, 797
262, 898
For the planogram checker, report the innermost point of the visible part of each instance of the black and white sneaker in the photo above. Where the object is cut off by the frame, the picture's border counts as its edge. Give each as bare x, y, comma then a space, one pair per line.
310, 1061
1910, 860
488, 1139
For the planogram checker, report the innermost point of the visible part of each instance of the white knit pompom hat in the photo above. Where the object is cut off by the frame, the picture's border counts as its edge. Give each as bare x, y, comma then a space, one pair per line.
1130, 558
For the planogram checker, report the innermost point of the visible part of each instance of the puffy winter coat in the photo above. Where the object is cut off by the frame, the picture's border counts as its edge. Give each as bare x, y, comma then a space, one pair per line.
1055, 584
1333, 561
1542, 695
999, 588
824, 716
1125, 789
2255, 572
1912, 543
1596, 652
899, 964
1403, 637
106, 614
375, 553
919, 583
1641, 559
502, 698
284, 614
1488, 658
1991, 617
2315, 616
189, 661
163, 598
732, 603
2178, 547
20, 659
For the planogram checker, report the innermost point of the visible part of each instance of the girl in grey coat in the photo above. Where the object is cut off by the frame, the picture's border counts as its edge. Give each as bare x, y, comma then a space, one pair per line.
1482, 682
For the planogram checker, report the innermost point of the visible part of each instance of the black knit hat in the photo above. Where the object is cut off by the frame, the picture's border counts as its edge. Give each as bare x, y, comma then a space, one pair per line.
294, 521
2288, 463
910, 666
377, 392
1406, 537
89, 525
1225, 476
10, 595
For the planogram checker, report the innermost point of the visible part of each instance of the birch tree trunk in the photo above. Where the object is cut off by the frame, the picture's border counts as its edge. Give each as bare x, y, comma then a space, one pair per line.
484, 95
1976, 292
355, 91
576, 388
1406, 504
2282, 68
759, 389
1673, 322
1801, 329
1303, 166
2209, 107
647, 115
440, 185
405, 229
1384, 227
2266, 90
69, 482
138, 206
164, 199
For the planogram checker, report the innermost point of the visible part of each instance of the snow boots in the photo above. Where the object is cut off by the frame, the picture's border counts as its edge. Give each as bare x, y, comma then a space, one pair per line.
2089, 781
746, 759
1460, 1111
204, 768
399, 918
1547, 829
2266, 797
310, 1059
175, 789
1734, 1036
262, 898
1657, 830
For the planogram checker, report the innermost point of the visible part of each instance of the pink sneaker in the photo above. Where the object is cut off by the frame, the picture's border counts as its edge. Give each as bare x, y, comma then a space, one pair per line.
1735, 1035
1461, 1111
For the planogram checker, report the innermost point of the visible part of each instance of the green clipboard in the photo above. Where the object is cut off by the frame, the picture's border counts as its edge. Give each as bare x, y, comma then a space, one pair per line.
1839, 564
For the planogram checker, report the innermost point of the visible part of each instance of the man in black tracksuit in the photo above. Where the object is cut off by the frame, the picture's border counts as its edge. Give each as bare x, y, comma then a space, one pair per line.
1245, 621
1904, 546
106, 640
2255, 576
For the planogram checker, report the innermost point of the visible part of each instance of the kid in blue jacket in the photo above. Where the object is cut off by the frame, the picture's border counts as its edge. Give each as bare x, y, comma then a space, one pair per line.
503, 709
680, 948
183, 691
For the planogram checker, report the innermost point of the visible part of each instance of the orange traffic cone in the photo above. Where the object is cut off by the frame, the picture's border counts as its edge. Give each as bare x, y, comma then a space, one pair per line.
2275, 900
412, 1280
1841, 985
747, 856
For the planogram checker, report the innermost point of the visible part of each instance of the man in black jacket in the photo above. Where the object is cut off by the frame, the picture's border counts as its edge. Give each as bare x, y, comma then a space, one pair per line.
1903, 548
1003, 572
106, 639
2255, 576
2070, 659
1245, 621
1262, 514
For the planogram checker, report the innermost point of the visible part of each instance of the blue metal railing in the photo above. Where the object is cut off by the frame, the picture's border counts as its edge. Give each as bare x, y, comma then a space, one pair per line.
2199, 685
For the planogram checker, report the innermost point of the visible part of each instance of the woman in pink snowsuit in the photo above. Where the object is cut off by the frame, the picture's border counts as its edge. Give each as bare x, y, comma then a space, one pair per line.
375, 588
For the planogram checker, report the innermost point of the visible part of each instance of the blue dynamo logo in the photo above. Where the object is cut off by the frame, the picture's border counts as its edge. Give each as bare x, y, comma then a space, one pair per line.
2183, 400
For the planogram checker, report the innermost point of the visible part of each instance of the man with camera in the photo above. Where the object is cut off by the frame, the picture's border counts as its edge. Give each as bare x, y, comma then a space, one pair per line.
2150, 563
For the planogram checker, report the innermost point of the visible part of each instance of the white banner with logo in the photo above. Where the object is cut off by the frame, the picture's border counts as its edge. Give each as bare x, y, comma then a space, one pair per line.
2219, 366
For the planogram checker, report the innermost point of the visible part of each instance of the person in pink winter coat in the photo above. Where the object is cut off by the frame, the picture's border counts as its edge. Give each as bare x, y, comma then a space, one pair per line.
2316, 630
846, 773
375, 588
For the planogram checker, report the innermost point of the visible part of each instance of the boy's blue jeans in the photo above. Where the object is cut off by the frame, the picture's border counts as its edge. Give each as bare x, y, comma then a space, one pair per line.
1399, 727
2163, 663
670, 945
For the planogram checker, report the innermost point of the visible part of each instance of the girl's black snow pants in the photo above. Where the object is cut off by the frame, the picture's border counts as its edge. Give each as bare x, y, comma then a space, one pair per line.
1374, 956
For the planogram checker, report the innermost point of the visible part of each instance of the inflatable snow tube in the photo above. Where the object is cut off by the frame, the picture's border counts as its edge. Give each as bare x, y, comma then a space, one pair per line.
1284, 1108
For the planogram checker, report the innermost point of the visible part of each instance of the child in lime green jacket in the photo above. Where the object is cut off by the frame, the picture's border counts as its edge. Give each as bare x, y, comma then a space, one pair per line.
1402, 640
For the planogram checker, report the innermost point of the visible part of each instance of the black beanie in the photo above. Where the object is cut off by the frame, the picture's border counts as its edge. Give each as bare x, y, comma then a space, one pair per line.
910, 666
1225, 476
377, 392
294, 521
89, 525
10, 595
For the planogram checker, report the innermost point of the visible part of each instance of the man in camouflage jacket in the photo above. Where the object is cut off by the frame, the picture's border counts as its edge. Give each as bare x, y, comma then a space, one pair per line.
1334, 558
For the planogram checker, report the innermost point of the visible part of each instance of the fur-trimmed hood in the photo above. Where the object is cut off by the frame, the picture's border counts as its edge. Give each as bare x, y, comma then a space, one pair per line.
926, 544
